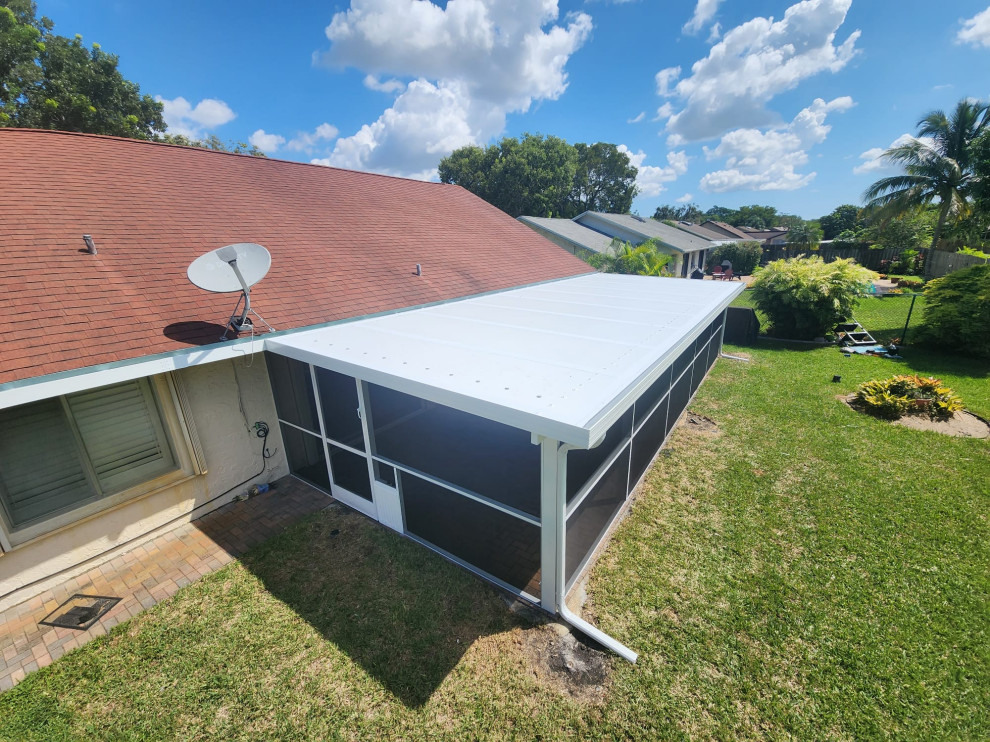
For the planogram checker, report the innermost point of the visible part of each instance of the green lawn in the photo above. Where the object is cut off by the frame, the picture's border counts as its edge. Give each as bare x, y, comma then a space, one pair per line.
803, 572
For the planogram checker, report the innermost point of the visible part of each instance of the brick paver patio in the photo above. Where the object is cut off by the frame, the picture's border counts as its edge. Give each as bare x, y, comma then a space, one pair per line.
144, 574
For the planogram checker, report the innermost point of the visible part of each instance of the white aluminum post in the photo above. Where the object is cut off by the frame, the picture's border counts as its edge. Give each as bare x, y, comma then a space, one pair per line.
550, 570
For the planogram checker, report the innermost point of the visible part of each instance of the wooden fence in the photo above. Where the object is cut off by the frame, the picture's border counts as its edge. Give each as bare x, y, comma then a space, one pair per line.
942, 262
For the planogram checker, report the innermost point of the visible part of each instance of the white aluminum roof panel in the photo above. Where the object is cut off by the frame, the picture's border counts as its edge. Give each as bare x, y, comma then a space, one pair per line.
560, 359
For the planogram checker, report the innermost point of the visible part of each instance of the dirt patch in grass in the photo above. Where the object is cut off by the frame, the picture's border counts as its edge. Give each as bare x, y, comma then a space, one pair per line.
565, 664
699, 423
961, 425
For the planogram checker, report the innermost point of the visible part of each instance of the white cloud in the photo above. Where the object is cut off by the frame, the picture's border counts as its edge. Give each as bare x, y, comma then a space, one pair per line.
704, 11
685, 199
768, 160
637, 119
306, 141
471, 63
650, 179
975, 30
193, 121
664, 78
872, 158
664, 112
266, 142
388, 86
715, 34
755, 62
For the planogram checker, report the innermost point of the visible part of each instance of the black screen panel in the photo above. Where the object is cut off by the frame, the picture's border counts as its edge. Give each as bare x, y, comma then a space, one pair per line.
497, 543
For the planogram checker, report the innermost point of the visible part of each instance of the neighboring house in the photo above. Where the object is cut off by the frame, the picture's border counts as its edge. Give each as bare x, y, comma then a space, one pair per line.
686, 250
573, 237
435, 364
768, 237
727, 231
706, 234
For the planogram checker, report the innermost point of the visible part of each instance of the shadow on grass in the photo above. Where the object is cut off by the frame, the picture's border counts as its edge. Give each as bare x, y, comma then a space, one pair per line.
401, 612
932, 362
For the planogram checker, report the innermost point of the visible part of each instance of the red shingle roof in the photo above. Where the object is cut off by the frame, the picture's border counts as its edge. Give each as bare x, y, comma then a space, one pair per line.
343, 244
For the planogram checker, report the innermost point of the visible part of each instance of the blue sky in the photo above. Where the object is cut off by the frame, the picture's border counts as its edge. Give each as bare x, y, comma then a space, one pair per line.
727, 102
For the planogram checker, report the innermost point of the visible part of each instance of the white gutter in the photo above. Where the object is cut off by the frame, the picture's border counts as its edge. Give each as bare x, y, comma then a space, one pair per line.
563, 611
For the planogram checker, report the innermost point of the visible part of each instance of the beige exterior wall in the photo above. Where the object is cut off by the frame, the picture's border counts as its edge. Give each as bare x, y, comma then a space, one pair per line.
224, 400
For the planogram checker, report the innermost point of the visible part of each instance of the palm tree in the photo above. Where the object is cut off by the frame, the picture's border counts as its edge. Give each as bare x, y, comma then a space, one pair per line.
938, 166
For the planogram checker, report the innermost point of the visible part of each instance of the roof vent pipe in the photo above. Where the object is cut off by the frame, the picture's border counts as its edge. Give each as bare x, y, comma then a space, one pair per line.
419, 269
90, 245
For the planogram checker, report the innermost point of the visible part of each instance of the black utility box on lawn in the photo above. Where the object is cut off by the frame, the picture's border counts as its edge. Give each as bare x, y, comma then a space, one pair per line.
741, 326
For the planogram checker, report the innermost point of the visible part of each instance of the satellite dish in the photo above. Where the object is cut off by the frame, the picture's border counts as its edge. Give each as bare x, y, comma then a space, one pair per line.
214, 271
232, 268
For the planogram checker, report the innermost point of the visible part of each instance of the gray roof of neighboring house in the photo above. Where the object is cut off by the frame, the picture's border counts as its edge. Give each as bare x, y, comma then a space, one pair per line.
648, 228
569, 230
728, 229
699, 231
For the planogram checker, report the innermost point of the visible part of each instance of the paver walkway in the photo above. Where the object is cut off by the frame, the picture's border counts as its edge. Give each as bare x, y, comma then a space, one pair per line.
149, 572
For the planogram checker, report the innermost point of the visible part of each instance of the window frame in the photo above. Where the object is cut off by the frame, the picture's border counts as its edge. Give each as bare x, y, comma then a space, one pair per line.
168, 398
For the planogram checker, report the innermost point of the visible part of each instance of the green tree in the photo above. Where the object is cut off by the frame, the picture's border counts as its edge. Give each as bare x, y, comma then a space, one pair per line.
532, 176
604, 180
63, 85
804, 237
721, 214
843, 218
544, 176
758, 217
938, 168
685, 213
20, 45
910, 231
215, 143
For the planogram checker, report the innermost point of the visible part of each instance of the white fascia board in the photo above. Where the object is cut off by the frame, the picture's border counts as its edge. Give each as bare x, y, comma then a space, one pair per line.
599, 426
52, 385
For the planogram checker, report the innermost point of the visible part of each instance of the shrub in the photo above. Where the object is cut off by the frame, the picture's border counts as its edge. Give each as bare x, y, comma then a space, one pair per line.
957, 312
803, 298
744, 256
907, 395
908, 283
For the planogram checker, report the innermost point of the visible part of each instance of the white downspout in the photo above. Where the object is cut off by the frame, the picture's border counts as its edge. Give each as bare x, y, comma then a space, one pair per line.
563, 611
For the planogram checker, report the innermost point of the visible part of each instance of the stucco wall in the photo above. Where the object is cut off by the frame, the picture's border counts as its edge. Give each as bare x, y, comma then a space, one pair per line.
224, 401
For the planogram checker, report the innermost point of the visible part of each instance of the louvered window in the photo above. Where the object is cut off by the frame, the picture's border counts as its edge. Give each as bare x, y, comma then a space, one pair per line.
60, 454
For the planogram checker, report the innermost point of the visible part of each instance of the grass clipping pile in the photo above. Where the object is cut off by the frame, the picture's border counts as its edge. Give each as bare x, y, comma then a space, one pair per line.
920, 403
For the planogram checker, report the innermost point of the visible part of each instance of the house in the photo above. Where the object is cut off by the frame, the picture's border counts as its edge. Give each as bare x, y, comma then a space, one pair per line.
774, 236
706, 234
686, 250
434, 364
570, 235
727, 231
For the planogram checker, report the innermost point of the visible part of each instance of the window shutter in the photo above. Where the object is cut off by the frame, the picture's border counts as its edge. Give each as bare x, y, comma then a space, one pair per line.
121, 430
40, 469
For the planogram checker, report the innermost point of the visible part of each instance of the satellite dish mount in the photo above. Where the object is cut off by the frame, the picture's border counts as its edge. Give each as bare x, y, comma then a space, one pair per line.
233, 268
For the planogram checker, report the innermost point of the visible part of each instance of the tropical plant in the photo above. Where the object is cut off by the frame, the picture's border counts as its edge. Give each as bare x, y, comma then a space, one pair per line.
645, 259
804, 298
938, 168
806, 236
907, 395
744, 256
957, 312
